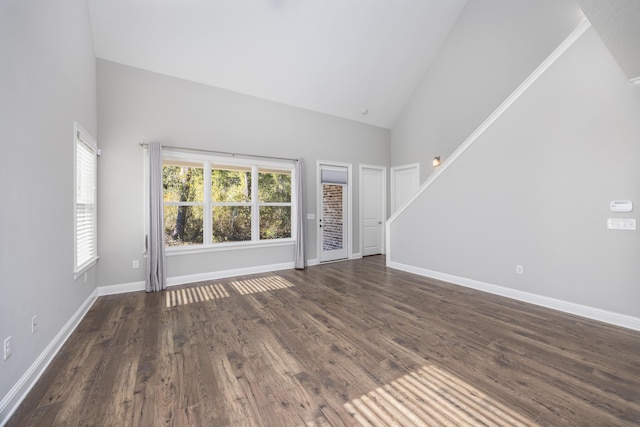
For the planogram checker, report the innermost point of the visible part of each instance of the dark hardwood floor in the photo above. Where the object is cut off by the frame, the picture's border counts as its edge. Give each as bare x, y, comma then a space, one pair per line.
346, 343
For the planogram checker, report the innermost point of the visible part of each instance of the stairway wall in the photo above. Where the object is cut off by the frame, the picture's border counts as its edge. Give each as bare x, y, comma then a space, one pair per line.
534, 190
491, 49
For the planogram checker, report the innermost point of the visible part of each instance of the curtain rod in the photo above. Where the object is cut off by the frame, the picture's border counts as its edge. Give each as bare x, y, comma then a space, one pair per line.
144, 144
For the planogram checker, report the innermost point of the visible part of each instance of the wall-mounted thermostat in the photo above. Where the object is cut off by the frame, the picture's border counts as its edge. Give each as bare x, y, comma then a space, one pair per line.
621, 206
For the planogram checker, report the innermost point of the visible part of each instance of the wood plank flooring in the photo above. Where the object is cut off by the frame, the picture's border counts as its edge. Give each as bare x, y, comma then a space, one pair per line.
342, 344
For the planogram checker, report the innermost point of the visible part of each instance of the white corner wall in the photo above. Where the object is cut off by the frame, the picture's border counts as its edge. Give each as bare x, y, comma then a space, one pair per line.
136, 106
47, 81
534, 190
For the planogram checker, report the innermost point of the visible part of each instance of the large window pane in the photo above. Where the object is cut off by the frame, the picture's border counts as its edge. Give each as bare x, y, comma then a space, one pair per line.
183, 225
231, 185
182, 182
231, 224
275, 222
274, 187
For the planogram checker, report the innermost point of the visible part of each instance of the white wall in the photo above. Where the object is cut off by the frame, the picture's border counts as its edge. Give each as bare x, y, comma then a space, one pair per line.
136, 105
535, 190
47, 81
493, 46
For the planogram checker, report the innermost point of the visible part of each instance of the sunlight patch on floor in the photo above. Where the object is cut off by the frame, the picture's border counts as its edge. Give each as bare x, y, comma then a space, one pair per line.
262, 284
431, 397
196, 294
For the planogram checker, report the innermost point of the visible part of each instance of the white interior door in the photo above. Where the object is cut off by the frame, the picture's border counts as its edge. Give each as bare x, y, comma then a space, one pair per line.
372, 181
333, 214
405, 181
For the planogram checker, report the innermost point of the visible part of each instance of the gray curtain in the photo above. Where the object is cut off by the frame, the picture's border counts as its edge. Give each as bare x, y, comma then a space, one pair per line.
301, 220
156, 278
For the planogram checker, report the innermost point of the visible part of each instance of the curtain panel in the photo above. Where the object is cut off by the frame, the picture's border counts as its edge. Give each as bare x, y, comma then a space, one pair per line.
156, 279
300, 257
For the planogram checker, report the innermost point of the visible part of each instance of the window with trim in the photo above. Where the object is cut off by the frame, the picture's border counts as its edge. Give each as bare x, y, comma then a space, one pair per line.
85, 200
218, 201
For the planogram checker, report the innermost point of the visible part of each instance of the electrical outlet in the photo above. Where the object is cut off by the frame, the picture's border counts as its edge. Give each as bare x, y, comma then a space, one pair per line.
136, 263
34, 324
519, 269
7, 348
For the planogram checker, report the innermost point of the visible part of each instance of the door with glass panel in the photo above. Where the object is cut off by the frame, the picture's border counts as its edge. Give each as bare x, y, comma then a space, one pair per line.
333, 213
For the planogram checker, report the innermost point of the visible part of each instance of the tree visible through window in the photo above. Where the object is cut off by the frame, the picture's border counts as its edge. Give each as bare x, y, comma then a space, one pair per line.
211, 203
184, 203
274, 193
232, 203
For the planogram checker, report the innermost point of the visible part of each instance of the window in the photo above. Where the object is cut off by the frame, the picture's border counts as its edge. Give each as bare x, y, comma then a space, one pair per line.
274, 197
183, 184
85, 200
231, 203
212, 202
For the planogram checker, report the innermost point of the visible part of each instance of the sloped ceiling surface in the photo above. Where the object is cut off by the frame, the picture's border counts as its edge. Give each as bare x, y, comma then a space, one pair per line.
617, 22
332, 56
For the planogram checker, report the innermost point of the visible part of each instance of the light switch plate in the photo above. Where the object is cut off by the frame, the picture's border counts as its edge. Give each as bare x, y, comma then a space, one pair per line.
621, 223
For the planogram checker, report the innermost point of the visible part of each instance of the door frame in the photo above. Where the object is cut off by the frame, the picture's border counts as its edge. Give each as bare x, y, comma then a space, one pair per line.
349, 188
394, 172
383, 213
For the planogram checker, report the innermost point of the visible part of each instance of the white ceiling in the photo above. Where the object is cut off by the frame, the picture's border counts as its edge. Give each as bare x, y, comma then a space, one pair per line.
332, 56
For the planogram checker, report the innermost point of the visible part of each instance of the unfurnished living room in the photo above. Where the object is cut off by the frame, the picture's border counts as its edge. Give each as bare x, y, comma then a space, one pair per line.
320, 213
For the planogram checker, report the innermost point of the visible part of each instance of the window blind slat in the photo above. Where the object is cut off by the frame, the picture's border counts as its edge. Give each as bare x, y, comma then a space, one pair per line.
85, 201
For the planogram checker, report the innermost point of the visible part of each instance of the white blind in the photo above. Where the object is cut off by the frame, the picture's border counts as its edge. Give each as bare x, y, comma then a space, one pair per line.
85, 202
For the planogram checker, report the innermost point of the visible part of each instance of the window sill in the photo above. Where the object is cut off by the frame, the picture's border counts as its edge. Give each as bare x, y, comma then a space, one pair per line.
85, 268
231, 246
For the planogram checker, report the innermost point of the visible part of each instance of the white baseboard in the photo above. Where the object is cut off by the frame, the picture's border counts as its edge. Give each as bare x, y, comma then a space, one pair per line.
193, 278
356, 255
312, 262
19, 391
605, 316
121, 289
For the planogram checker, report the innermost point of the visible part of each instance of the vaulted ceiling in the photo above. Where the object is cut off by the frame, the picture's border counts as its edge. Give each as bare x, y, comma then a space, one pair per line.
357, 59
618, 24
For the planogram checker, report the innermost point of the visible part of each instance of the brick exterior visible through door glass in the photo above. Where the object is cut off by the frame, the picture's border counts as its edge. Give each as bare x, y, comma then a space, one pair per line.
332, 216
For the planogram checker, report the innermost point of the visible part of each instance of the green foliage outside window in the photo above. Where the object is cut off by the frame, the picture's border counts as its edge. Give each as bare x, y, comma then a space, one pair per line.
183, 225
274, 187
275, 222
231, 185
231, 203
231, 224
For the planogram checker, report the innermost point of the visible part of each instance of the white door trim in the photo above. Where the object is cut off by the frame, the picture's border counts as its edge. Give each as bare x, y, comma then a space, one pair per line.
394, 171
349, 166
383, 215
